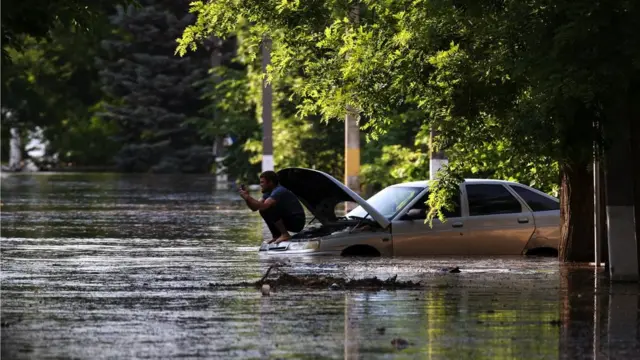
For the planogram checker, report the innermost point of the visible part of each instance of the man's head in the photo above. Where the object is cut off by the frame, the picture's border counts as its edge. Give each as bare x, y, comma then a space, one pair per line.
268, 181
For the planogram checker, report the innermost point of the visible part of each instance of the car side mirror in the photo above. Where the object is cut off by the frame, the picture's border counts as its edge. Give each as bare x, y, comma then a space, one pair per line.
415, 214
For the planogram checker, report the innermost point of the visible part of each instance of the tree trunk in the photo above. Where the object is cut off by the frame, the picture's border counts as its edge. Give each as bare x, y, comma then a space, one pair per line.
576, 213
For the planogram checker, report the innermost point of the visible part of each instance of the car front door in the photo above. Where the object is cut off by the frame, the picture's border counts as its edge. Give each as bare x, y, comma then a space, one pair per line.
499, 224
413, 237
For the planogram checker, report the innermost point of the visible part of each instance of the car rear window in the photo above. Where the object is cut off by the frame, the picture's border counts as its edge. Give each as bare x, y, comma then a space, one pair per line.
491, 199
535, 201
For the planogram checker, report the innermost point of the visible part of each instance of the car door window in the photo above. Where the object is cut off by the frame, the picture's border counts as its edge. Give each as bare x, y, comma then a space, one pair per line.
491, 199
422, 204
535, 201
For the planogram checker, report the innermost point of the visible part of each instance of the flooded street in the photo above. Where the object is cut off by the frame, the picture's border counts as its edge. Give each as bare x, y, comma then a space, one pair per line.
119, 266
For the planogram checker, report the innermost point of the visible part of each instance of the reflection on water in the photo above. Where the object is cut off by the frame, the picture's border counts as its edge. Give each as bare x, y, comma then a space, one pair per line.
600, 320
113, 266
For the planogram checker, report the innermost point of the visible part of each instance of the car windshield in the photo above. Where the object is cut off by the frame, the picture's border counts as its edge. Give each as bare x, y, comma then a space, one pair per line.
388, 202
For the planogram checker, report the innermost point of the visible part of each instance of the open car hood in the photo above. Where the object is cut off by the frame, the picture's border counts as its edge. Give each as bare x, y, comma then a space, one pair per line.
320, 193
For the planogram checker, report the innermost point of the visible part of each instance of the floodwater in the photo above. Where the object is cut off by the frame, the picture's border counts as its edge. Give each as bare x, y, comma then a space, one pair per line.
111, 266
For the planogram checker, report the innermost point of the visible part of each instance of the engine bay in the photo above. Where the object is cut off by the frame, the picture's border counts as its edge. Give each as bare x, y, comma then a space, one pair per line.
336, 227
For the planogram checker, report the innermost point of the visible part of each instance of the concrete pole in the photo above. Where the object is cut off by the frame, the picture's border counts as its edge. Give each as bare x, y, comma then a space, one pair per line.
219, 153
597, 201
267, 109
15, 150
623, 252
352, 133
352, 150
437, 158
597, 219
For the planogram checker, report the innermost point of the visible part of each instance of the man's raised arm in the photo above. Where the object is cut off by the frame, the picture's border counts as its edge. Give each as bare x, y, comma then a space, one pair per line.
255, 204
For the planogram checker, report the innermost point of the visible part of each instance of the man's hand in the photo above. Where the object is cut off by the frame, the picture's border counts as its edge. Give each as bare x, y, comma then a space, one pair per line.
255, 204
244, 194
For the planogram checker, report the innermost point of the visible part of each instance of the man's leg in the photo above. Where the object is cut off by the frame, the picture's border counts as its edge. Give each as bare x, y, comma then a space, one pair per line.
270, 217
284, 234
293, 223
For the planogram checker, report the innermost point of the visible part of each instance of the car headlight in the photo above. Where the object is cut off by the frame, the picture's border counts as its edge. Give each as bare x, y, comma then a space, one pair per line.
304, 245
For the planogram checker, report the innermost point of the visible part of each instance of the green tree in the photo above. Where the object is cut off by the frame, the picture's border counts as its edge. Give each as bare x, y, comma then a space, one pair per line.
38, 20
152, 95
49, 77
236, 98
53, 84
532, 76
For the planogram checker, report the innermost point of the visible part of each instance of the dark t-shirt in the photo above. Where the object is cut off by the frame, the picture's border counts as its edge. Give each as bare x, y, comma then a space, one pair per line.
287, 203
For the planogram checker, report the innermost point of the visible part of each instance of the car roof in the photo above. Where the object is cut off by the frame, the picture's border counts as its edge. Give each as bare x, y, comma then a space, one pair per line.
425, 183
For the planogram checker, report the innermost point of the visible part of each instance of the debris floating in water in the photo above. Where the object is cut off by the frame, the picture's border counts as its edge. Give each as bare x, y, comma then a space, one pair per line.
452, 270
6, 323
285, 280
266, 290
400, 343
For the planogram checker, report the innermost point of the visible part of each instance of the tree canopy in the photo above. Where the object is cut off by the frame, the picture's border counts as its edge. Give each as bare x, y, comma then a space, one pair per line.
49, 78
516, 90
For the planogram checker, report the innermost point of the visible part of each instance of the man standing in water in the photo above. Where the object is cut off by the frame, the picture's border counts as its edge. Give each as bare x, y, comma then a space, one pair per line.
279, 207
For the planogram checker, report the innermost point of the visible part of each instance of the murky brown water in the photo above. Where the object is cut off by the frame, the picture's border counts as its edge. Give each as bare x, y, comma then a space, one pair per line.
114, 266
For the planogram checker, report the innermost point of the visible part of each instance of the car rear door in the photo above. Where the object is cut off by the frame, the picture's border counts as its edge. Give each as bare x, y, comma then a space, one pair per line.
546, 211
412, 237
499, 223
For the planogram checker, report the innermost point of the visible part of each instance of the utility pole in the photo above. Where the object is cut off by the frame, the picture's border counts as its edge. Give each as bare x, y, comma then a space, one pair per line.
623, 246
352, 132
352, 150
267, 104
598, 192
15, 150
437, 159
597, 218
219, 151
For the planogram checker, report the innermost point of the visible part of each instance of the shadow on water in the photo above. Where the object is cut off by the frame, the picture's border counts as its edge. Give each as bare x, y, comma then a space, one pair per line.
114, 266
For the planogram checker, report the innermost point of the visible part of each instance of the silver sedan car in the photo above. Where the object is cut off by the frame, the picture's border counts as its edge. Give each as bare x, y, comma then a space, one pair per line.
491, 217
